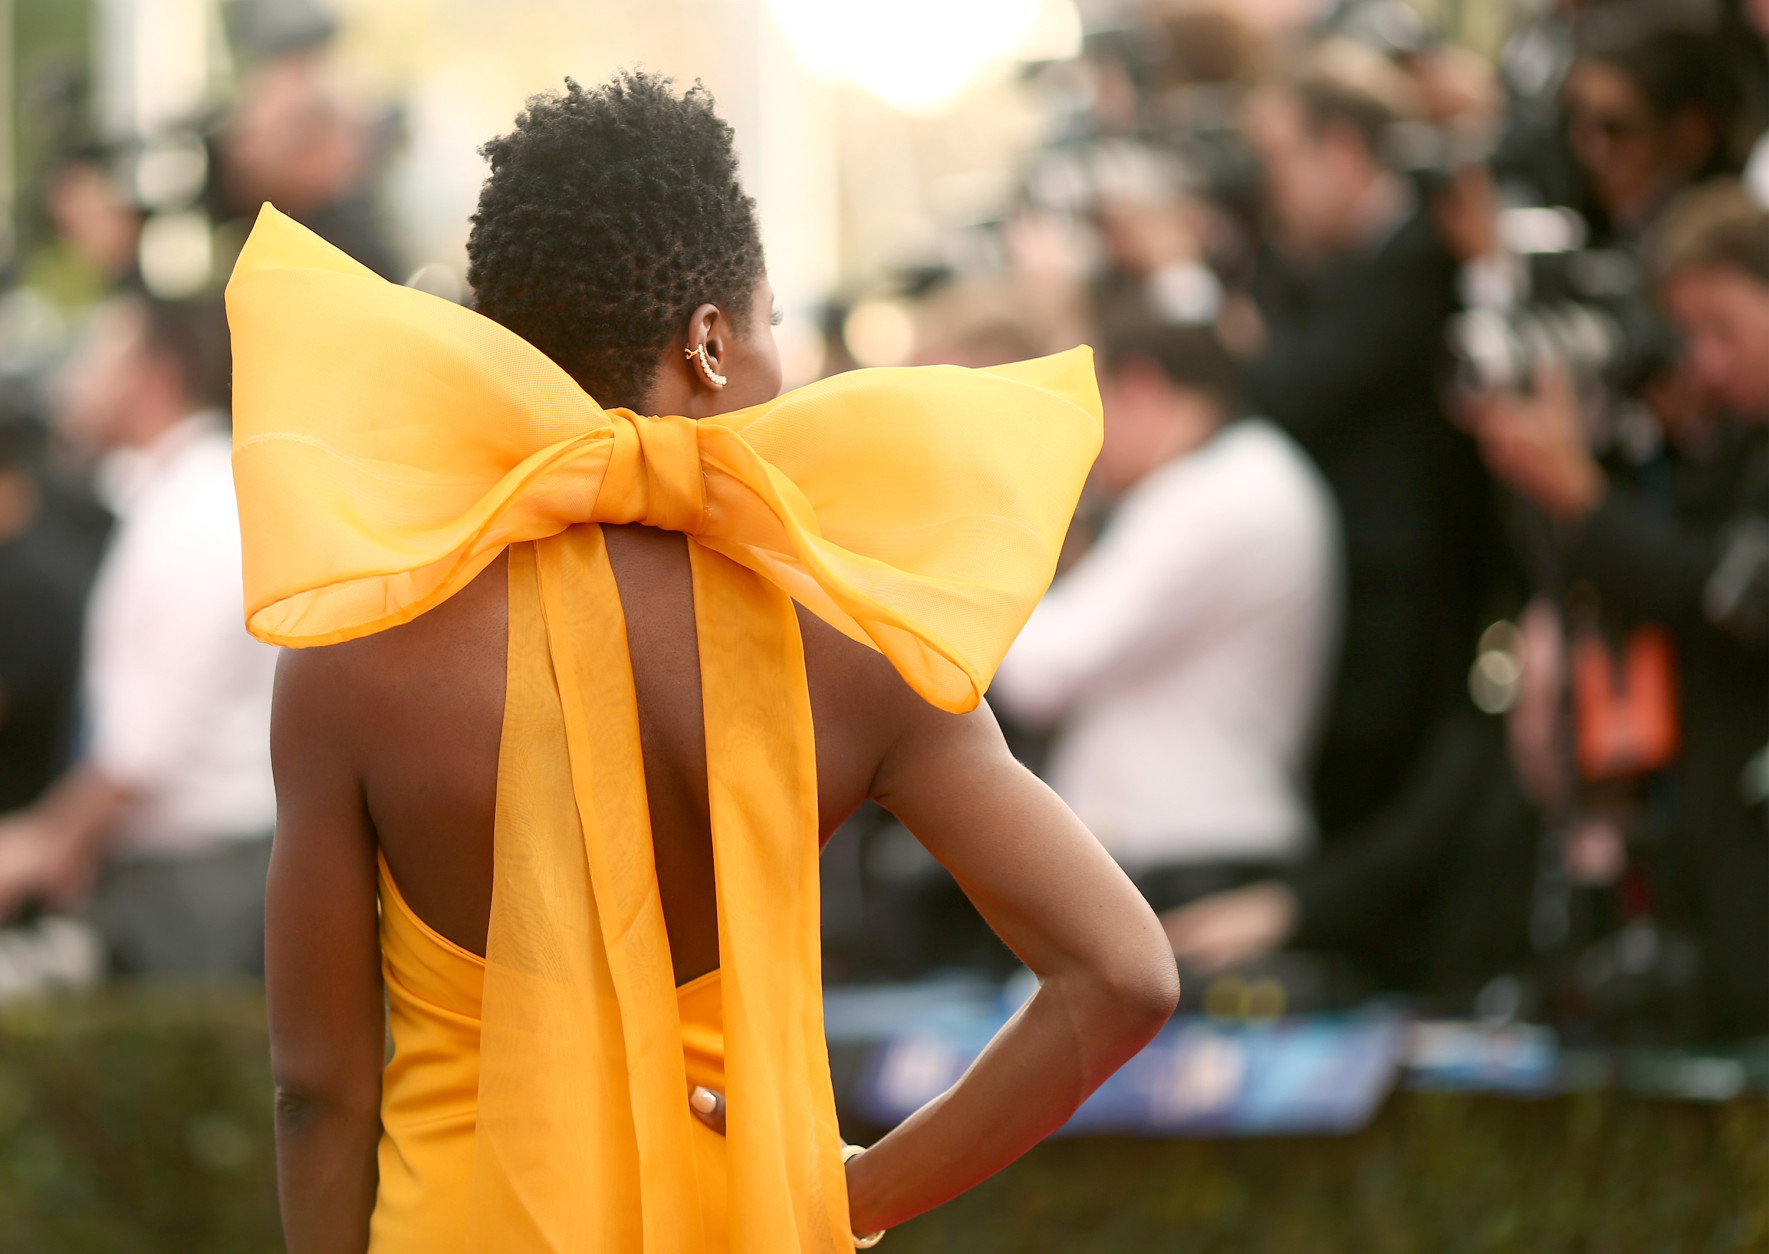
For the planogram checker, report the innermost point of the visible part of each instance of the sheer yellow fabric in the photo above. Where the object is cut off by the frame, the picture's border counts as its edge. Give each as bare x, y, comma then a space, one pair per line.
388, 445
430, 1091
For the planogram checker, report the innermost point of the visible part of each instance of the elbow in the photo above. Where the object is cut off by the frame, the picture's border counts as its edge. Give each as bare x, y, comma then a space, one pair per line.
295, 1108
1150, 1000
301, 1104
1127, 987
1141, 988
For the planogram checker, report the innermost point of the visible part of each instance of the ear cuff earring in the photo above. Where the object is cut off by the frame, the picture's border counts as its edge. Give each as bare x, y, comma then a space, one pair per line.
706, 366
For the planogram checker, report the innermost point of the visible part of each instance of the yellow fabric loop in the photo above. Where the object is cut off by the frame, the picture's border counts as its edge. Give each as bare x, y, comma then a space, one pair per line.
387, 446
654, 475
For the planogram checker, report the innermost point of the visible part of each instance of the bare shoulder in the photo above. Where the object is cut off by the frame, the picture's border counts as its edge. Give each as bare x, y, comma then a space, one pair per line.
348, 695
857, 697
869, 720
858, 707
318, 691
851, 683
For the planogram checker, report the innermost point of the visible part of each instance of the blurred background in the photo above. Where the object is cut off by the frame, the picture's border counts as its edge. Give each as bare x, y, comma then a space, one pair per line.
1410, 649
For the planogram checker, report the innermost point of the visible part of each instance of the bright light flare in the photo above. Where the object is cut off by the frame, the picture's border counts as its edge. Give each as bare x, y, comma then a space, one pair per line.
915, 54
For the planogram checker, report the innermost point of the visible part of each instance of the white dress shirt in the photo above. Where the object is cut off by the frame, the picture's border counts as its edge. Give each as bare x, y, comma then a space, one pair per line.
177, 692
1185, 656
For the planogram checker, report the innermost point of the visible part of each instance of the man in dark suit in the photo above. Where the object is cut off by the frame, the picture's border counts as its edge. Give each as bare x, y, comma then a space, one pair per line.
1355, 304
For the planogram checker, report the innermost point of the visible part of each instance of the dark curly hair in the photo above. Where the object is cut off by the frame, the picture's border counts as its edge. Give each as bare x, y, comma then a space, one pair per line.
609, 216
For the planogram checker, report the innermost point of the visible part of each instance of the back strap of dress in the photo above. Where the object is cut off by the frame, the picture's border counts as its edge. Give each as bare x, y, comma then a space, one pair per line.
583, 1139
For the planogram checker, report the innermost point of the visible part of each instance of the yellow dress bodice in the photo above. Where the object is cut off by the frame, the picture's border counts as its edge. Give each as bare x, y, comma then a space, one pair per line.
430, 1088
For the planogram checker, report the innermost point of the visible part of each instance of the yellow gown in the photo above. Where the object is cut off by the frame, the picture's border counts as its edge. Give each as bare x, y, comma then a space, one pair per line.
387, 446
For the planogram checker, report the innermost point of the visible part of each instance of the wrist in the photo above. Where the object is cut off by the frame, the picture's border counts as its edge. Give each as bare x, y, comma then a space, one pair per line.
864, 1234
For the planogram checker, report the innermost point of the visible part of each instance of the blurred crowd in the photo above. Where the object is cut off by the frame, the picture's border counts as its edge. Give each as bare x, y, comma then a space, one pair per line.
1413, 635
136, 799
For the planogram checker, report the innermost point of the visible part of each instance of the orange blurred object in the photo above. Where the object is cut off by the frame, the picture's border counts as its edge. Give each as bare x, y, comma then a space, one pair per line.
1625, 703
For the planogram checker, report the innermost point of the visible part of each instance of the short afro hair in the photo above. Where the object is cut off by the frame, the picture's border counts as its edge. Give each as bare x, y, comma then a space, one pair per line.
608, 217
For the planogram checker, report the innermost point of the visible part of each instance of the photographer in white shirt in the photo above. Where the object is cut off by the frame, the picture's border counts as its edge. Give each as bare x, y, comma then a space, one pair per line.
1183, 658
160, 832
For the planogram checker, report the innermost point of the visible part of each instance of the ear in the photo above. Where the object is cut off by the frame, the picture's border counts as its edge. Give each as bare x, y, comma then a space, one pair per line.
709, 326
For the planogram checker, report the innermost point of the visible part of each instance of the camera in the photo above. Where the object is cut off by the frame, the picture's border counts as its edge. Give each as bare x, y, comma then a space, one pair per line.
1585, 311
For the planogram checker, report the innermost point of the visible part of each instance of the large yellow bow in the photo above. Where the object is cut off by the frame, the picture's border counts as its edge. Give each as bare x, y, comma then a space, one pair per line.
389, 444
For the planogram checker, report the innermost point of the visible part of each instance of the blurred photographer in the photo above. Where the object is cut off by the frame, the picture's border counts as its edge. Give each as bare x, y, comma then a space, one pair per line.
1692, 558
1355, 301
1646, 106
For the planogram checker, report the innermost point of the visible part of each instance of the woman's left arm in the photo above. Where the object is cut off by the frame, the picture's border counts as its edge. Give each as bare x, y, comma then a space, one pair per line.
322, 971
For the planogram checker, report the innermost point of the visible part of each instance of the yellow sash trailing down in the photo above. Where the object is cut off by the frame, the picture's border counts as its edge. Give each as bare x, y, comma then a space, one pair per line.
388, 445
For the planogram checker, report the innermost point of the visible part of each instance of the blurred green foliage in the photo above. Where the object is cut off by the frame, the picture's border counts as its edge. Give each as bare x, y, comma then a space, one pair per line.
1436, 1173
139, 1122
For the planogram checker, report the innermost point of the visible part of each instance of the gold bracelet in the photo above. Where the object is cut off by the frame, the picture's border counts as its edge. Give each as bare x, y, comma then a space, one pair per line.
871, 1239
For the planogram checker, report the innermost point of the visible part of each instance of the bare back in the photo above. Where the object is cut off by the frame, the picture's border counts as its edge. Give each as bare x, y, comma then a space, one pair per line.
421, 707
390, 744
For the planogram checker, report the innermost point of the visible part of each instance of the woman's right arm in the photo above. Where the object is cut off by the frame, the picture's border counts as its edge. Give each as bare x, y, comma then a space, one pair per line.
1107, 979
322, 970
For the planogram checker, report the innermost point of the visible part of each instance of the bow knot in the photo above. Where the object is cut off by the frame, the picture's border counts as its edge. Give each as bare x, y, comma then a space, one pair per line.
654, 474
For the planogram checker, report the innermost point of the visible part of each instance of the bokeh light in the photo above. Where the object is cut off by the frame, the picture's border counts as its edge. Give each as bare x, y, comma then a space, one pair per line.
918, 54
